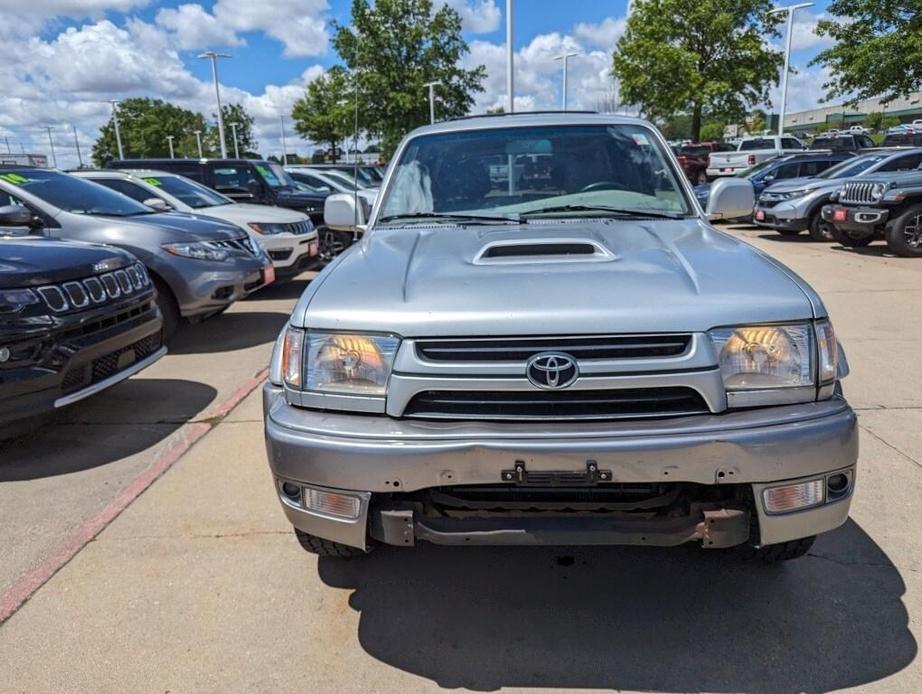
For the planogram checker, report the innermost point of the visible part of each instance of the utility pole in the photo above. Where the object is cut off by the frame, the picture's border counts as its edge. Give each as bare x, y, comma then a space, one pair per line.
54, 159
8, 148
787, 57
213, 57
198, 139
236, 147
566, 60
169, 141
118, 133
510, 62
284, 146
432, 86
77, 145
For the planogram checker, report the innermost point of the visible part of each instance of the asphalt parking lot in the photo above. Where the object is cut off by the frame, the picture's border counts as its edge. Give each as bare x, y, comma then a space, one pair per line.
196, 583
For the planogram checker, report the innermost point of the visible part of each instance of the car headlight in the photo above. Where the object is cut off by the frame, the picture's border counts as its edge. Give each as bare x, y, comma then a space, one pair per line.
878, 190
792, 194
267, 229
200, 250
14, 300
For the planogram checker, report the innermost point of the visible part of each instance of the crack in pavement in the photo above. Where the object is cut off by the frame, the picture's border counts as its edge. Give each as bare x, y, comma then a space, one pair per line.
870, 564
891, 446
194, 536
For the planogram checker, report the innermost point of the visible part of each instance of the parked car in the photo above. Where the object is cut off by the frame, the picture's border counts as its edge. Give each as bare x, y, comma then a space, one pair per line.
368, 176
792, 166
327, 180
693, 158
594, 364
903, 138
751, 151
242, 180
842, 142
795, 205
288, 237
884, 204
199, 266
75, 319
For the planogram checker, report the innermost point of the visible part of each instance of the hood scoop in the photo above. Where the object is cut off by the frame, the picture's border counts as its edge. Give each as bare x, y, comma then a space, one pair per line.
544, 250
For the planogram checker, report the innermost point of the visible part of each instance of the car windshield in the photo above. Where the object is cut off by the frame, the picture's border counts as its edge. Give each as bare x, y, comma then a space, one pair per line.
695, 150
749, 145
274, 175
73, 194
193, 194
752, 170
343, 178
851, 167
555, 169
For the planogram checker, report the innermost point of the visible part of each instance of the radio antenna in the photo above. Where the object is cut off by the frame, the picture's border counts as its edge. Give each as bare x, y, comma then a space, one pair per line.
355, 160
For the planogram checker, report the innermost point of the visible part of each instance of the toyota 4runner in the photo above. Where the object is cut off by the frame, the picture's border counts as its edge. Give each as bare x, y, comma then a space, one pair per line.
586, 363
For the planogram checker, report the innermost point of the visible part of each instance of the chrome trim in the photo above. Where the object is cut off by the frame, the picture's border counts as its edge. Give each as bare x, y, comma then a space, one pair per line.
124, 281
97, 295
771, 396
111, 380
68, 287
60, 293
111, 285
333, 401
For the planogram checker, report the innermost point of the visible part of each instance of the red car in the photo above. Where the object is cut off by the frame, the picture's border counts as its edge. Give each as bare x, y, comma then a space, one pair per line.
693, 158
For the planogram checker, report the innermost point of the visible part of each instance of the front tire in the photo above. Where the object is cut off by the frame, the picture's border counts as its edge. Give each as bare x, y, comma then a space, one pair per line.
846, 239
784, 551
327, 548
904, 234
166, 302
820, 230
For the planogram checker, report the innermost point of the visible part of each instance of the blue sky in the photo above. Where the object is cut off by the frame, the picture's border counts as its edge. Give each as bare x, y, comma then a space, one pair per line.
67, 57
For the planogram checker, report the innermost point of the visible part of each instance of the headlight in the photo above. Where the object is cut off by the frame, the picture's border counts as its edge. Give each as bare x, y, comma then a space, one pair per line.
200, 250
763, 357
267, 229
350, 364
878, 190
827, 348
792, 194
292, 357
14, 300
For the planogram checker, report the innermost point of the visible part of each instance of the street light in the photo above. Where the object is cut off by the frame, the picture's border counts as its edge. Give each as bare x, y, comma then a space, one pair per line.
198, 139
118, 133
77, 145
213, 57
432, 86
787, 56
169, 141
284, 146
566, 59
236, 148
54, 159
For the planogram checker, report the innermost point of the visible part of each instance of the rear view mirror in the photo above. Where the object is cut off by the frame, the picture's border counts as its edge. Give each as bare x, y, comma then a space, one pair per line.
17, 216
340, 212
730, 198
158, 204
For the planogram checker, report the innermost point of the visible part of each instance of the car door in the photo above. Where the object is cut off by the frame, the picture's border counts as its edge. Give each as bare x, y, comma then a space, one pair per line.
906, 162
809, 169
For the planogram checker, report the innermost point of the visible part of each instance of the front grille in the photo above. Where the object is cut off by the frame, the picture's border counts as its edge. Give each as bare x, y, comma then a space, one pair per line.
280, 255
857, 193
91, 292
768, 202
522, 349
300, 228
550, 405
107, 365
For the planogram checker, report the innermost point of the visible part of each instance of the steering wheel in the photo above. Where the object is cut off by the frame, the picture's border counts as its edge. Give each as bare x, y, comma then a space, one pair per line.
604, 185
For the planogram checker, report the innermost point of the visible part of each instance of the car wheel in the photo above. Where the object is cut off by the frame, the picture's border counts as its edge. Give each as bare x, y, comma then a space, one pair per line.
846, 239
820, 230
904, 234
783, 551
166, 302
327, 548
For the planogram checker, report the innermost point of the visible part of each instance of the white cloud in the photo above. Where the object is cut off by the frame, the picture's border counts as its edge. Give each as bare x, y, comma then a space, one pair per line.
603, 35
195, 28
804, 36
477, 16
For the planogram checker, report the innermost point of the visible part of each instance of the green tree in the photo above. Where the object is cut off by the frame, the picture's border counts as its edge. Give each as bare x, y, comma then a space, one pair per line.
873, 120
755, 123
144, 125
877, 51
246, 141
697, 56
397, 46
712, 131
326, 113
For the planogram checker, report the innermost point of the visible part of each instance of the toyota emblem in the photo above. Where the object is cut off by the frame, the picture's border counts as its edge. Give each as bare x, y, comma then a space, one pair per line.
552, 370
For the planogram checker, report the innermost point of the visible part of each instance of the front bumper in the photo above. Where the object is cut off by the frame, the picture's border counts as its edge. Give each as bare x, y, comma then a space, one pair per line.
377, 455
290, 253
203, 288
781, 216
865, 220
724, 171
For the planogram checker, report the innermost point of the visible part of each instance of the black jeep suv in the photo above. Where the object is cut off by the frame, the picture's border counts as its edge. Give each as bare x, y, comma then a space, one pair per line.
75, 318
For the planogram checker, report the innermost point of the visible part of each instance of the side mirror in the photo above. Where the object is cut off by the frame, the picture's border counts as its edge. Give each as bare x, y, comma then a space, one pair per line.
254, 189
730, 198
18, 216
158, 204
768, 179
339, 212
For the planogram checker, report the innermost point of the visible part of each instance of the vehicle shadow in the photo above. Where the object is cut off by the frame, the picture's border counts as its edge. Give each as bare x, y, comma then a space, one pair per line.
291, 289
124, 420
799, 238
228, 332
632, 618
879, 250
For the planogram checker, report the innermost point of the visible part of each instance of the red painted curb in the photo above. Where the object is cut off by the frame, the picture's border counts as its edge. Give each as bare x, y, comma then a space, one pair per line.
22, 590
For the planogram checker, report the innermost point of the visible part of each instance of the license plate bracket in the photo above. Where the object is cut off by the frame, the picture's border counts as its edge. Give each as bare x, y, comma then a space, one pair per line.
521, 476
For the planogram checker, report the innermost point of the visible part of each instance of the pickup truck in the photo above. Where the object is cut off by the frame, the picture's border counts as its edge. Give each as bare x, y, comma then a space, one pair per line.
591, 364
751, 151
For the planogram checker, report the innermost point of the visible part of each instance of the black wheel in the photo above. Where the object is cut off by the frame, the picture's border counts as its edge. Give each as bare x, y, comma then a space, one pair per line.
848, 240
166, 302
904, 234
820, 230
784, 551
788, 232
327, 548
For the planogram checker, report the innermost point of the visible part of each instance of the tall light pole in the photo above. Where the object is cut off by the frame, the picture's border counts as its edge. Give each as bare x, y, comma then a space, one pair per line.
432, 86
213, 57
54, 159
118, 132
236, 147
787, 57
198, 140
510, 61
566, 60
169, 141
77, 145
284, 146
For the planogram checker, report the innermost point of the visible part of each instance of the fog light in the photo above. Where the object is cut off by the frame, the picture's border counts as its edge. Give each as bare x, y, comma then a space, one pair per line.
794, 497
332, 504
838, 486
292, 491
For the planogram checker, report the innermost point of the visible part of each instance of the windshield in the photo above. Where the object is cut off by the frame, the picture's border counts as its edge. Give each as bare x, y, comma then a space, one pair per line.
274, 175
517, 170
851, 167
73, 194
838, 144
343, 178
749, 145
193, 194
752, 170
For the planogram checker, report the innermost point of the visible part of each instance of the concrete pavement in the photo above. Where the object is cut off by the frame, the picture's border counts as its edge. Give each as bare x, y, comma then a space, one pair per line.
200, 586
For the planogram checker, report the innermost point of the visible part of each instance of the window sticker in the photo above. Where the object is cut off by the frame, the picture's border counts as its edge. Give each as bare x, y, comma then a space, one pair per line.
640, 139
154, 181
14, 178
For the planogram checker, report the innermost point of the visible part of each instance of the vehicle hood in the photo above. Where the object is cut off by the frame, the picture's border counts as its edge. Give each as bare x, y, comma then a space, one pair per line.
35, 261
898, 179
792, 184
243, 213
170, 227
290, 197
678, 275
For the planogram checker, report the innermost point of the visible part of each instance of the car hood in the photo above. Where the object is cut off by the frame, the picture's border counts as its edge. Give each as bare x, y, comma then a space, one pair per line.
792, 184
897, 178
244, 213
174, 226
655, 276
299, 198
35, 261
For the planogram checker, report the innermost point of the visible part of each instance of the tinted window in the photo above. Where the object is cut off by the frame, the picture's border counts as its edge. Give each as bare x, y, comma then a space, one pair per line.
812, 168
852, 167
749, 145
239, 178
193, 194
906, 162
790, 143
132, 190
311, 180
74, 194
785, 171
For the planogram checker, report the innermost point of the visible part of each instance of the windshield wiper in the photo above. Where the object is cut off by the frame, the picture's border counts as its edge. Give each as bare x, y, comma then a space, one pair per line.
460, 217
610, 211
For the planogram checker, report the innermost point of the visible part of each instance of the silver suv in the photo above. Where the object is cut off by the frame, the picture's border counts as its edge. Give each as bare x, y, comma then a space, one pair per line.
584, 362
